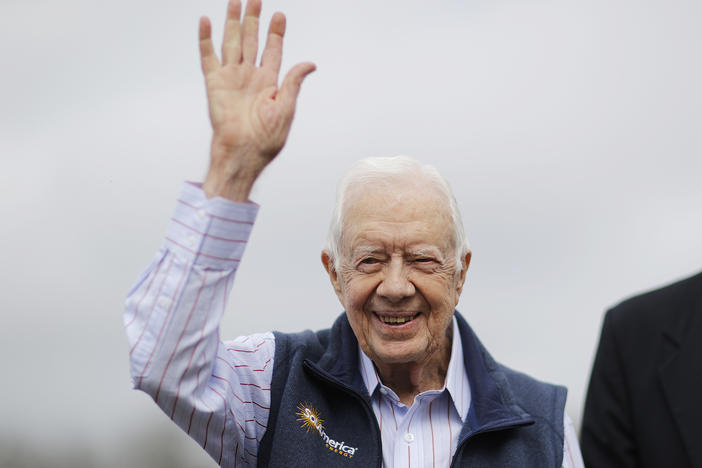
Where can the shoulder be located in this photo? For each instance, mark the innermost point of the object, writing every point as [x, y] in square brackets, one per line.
[653, 310]
[500, 393]
[530, 387]
[542, 400]
[513, 385]
[307, 344]
[334, 349]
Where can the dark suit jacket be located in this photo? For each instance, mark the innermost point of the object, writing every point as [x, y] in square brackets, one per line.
[644, 403]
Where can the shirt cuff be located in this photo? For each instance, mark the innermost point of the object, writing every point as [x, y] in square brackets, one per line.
[209, 232]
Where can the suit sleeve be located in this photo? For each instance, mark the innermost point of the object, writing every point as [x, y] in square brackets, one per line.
[607, 438]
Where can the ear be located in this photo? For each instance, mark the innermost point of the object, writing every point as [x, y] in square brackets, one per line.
[333, 275]
[462, 275]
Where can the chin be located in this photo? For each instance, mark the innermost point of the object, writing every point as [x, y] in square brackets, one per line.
[400, 355]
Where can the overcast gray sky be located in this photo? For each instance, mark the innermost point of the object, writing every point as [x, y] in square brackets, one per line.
[569, 130]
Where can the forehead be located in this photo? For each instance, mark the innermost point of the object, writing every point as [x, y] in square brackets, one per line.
[407, 213]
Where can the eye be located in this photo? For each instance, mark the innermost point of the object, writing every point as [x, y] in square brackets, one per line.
[423, 260]
[369, 264]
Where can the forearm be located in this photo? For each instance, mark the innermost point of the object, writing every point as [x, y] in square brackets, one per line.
[172, 323]
[177, 306]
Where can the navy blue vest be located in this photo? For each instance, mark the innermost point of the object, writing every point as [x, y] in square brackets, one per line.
[321, 414]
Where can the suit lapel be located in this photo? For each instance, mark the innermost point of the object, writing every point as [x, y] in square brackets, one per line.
[681, 372]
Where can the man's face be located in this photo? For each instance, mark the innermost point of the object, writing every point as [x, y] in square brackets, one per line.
[397, 276]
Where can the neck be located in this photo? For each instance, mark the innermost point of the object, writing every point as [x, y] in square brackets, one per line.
[410, 379]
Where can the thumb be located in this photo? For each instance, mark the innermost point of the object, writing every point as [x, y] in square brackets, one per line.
[291, 83]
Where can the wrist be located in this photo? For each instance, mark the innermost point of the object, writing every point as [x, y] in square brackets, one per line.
[232, 172]
[234, 190]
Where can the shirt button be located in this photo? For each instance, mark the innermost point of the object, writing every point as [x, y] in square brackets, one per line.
[409, 437]
[164, 302]
[201, 213]
[191, 241]
[383, 391]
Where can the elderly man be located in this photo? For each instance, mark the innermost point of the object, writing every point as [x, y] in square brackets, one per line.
[399, 380]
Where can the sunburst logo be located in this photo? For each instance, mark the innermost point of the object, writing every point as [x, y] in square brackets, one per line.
[311, 420]
[309, 417]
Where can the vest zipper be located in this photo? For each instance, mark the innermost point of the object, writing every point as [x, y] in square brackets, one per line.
[357, 396]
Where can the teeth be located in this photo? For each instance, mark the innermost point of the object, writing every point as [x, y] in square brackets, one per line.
[395, 320]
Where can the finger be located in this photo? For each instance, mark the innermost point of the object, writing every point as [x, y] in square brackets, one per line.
[287, 95]
[208, 58]
[273, 53]
[249, 31]
[231, 43]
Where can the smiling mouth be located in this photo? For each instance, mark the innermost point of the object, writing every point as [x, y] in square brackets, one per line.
[394, 320]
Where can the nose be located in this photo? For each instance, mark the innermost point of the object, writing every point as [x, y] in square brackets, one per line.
[395, 285]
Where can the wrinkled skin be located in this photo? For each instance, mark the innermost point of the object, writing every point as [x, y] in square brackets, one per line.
[398, 262]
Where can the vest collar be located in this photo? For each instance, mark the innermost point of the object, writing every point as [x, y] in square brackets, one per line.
[493, 406]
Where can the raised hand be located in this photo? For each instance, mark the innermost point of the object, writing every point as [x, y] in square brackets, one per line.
[250, 114]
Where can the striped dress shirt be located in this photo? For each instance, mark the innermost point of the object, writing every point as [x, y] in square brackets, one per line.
[219, 391]
[426, 433]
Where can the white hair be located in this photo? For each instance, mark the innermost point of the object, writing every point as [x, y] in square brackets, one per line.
[383, 170]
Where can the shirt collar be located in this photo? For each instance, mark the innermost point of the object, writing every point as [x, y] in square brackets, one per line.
[456, 376]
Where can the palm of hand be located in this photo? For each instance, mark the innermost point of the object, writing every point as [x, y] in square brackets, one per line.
[250, 114]
[243, 109]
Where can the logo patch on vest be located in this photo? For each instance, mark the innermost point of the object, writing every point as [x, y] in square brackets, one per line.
[311, 420]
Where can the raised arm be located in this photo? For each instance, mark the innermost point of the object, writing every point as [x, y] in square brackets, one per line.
[249, 112]
[218, 392]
